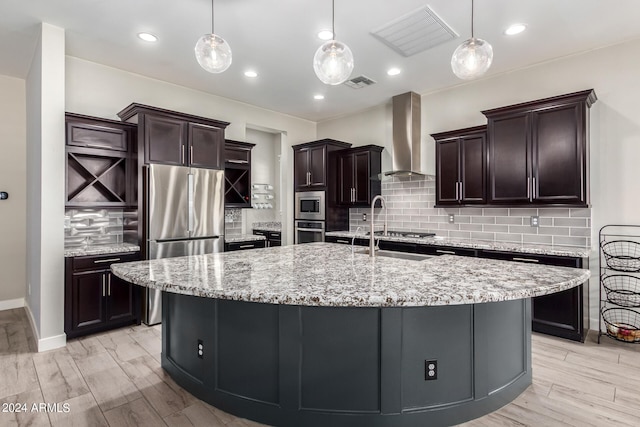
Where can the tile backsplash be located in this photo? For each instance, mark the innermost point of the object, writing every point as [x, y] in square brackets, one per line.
[411, 200]
[232, 222]
[90, 227]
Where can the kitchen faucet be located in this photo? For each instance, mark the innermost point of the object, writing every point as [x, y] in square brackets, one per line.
[372, 245]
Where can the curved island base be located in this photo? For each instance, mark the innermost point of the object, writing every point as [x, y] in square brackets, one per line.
[290, 365]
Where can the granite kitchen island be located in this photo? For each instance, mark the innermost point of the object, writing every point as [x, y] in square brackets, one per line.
[315, 335]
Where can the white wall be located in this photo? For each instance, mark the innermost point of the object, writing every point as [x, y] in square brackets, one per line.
[615, 137]
[101, 91]
[13, 164]
[45, 184]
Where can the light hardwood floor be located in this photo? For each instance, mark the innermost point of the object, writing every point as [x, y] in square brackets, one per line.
[115, 379]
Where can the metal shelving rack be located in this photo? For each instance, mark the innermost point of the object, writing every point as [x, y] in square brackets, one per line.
[619, 257]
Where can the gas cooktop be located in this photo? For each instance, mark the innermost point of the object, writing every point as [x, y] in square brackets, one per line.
[414, 234]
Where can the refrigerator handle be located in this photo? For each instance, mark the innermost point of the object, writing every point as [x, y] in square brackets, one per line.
[190, 202]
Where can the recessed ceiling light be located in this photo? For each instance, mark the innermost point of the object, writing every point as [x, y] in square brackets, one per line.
[325, 35]
[251, 74]
[318, 97]
[515, 29]
[393, 71]
[148, 37]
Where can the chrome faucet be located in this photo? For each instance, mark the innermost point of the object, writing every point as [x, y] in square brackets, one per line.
[372, 245]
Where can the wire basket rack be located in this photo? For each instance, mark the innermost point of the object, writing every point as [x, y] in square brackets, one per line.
[622, 255]
[623, 324]
[622, 289]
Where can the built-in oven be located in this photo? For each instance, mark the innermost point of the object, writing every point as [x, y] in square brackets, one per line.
[309, 231]
[310, 205]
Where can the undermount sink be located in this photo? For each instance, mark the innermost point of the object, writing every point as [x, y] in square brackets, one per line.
[395, 254]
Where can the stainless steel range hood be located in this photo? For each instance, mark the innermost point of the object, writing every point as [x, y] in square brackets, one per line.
[405, 153]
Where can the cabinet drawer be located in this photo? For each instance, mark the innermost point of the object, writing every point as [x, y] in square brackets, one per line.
[238, 246]
[99, 262]
[95, 136]
[446, 250]
[539, 259]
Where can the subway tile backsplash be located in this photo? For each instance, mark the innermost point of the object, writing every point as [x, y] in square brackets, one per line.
[232, 222]
[90, 227]
[411, 200]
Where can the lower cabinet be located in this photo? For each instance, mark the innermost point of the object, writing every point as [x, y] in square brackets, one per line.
[274, 238]
[95, 299]
[239, 246]
[563, 314]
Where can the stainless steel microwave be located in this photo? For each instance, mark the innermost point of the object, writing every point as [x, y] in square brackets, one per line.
[310, 205]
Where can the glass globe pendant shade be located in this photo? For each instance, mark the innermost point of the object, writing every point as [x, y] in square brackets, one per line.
[333, 62]
[213, 53]
[472, 59]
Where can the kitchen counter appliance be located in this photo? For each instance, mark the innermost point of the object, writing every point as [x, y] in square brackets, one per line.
[185, 216]
[310, 205]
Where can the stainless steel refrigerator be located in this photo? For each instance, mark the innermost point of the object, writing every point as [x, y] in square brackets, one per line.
[185, 216]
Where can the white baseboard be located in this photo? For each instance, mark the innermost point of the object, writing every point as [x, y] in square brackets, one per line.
[48, 343]
[11, 304]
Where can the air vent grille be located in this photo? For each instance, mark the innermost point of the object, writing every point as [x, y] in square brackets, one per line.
[415, 32]
[359, 82]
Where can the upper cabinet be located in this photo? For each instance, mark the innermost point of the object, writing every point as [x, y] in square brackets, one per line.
[461, 159]
[173, 138]
[539, 151]
[100, 162]
[237, 174]
[311, 163]
[358, 175]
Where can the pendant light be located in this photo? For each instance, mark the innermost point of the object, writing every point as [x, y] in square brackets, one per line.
[333, 61]
[212, 51]
[473, 57]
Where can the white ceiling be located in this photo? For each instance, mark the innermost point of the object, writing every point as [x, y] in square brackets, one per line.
[277, 38]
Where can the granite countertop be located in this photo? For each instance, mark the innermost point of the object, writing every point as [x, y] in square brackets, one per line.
[243, 238]
[101, 249]
[268, 228]
[329, 274]
[568, 251]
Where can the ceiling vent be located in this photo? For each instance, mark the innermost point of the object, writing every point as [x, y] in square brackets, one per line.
[359, 82]
[415, 32]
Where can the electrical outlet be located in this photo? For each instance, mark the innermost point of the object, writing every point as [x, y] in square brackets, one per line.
[535, 221]
[452, 218]
[364, 217]
[200, 349]
[430, 370]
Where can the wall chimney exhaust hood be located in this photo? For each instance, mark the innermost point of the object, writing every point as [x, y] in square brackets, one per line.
[406, 126]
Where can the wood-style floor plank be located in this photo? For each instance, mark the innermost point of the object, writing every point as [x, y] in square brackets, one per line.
[115, 379]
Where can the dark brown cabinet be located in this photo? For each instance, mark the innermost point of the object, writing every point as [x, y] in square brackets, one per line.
[237, 174]
[95, 299]
[358, 175]
[539, 151]
[240, 246]
[311, 163]
[563, 314]
[274, 238]
[173, 138]
[461, 159]
[100, 164]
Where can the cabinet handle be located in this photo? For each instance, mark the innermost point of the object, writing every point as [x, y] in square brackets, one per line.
[100, 261]
[109, 285]
[103, 286]
[191, 154]
[525, 259]
[440, 251]
[457, 196]
[533, 189]
[246, 246]
[528, 188]
[342, 241]
[182, 154]
[240, 162]
[461, 192]
[308, 178]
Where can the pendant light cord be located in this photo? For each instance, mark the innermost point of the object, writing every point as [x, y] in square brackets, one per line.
[471, 18]
[333, 18]
[212, 21]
